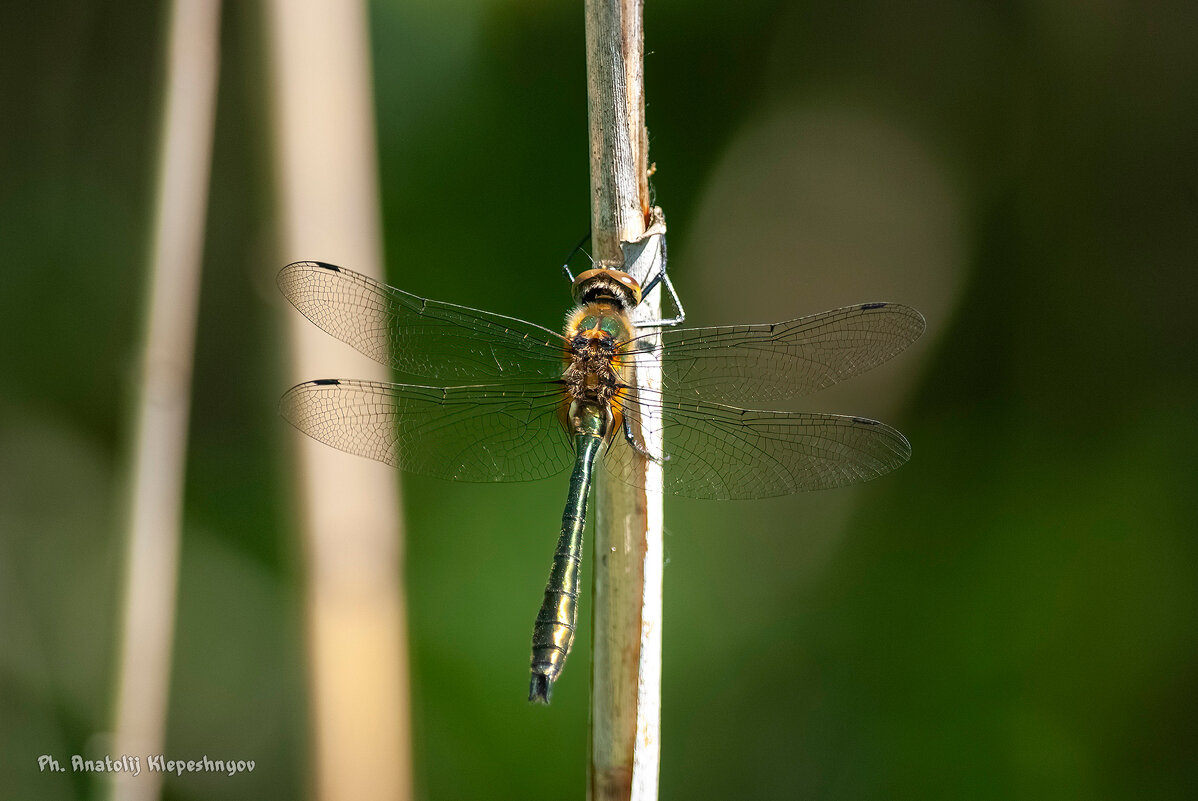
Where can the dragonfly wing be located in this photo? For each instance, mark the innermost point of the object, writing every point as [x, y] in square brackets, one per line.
[419, 337]
[764, 363]
[503, 432]
[724, 453]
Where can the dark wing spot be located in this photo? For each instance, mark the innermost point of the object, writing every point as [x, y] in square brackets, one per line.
[865, 421]
[326, 382]
[865, 306]
[324, 266]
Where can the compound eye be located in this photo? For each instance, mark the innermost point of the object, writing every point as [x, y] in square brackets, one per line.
[587, 323]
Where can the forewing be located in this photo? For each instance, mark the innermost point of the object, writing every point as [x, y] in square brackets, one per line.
[475, 433]
[749, 364]
[422, 338]
[724, 453]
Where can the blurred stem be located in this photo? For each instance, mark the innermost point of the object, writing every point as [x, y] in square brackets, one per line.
[348, 507]
[626, 672]
[161, 435]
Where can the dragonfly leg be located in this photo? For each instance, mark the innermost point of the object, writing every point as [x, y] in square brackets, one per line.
[566, 264]
[663, 278]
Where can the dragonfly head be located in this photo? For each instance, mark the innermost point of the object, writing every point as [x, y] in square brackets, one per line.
[606, 284]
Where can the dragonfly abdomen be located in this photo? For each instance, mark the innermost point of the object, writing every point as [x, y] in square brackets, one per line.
[553, 632]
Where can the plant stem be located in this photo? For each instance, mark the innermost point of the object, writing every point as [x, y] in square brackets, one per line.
[626, 672]
[160, 449]
[348, 507]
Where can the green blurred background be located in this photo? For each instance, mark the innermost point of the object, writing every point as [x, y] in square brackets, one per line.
[1012, 615]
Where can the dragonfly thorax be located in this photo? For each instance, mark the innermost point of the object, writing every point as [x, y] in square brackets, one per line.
[599, 319]
[594, 332]
[592, 373]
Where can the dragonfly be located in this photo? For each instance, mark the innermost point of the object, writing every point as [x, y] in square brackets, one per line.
[510, 400]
